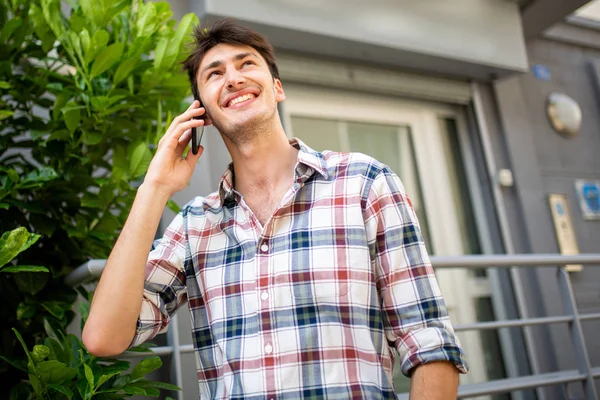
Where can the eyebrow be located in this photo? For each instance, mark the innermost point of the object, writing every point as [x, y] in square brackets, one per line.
[218, 63]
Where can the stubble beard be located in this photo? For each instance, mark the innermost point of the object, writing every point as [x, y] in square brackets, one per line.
[247, 131]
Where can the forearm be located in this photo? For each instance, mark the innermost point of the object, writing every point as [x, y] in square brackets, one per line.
[434, 381]
[118, 297]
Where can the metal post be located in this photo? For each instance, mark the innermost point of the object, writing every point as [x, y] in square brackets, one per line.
[505, 232]
[173, 341]
[583, 360]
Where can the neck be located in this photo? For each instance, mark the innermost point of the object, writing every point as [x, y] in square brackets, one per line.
[264, 163]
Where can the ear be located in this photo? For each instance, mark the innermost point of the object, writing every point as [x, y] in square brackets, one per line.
[278, 89]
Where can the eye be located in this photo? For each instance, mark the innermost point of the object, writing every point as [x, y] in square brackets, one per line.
[247, 62]
[213, 73]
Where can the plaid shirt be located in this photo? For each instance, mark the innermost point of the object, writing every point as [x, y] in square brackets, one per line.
[309, 305]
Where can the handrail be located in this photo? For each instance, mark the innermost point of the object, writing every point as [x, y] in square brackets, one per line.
[93, 269]
[585, 373]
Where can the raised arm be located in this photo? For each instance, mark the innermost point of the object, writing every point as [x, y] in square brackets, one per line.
[117, 300]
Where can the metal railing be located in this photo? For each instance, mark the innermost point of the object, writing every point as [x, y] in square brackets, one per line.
[584, 373]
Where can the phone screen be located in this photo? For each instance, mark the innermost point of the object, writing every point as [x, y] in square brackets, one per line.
[197, 133]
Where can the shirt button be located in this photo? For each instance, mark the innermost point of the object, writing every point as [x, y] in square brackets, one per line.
[264, 295]
[264, 247]
[268, 349]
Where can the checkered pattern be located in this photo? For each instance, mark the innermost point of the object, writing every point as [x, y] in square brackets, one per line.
[309, 305]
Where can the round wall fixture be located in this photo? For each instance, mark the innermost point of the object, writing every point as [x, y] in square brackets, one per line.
[564, 114]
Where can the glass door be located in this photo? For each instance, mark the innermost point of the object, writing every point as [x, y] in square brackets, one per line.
[415, 139]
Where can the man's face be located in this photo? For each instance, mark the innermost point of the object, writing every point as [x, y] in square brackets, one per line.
[238, 90]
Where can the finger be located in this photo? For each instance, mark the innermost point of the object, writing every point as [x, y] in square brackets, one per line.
[192, 159]
[183, 142]
[194, 110]
[173, 137]
[185, 138]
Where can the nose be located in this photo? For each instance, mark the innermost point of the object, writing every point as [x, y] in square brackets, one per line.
[234, 79]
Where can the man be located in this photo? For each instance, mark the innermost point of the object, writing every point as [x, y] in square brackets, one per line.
[300, 272]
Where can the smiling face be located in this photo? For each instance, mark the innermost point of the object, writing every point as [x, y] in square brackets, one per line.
[238, 91]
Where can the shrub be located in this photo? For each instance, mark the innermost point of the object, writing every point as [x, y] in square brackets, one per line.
[86, 90]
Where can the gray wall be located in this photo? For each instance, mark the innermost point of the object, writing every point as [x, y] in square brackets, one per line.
[544, 162]
[469, 38]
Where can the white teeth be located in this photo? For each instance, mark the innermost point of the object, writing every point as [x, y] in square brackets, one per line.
[241, 98]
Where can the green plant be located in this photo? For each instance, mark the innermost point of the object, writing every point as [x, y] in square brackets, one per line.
[61, 368]
[86, 90]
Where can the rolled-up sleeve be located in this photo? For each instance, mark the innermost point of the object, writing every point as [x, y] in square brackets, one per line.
[415, 315]
[164, 287]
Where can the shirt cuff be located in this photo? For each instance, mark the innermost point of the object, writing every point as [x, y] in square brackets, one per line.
[431, 344]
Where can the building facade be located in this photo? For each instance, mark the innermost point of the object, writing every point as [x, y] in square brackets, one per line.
[453, 96]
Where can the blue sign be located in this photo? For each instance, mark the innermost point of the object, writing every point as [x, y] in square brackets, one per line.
[588, 193]
[541, 72]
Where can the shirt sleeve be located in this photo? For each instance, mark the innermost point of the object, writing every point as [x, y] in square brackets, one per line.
[415, 316]
[164, 286]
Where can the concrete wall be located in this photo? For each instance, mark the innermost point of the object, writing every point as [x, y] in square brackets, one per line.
[469, 38]
[544, 162]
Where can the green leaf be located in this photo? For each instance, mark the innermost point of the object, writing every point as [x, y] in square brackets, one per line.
[61, 389]
[14, 242]
[133, 390]
[146, 366]
[99, 42]
[106, 59]
[118, 366]
[41, 28]
[53, 371]
[30, 282]
[140, 157]
[4, 206]
[175, 44]
[173, 206]
[93, 138]
[42, 175]
[146, 19]
[51, 332]
[86, 41]
[124, 69]
[43, 224]
[25, 310]
[4, 85]
[158, 385]
[38, 387]
[24, 268]
[72, 118]
[9, 28]
[89, 375]
[4, 114]
[55, 86]
[91, 200]
[59, 103]
[14, 364]
[84, 310]
[12, 174]
[56, 308]
[159, 52]
[104, 378]
[20, 339]
[93, 11]
[40, 352]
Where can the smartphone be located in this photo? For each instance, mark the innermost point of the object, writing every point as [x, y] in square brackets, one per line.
[197, 132]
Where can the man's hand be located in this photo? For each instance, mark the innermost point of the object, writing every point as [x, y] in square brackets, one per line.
[168, 171]
[434, 381]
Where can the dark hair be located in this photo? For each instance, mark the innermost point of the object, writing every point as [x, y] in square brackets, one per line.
[227, 31]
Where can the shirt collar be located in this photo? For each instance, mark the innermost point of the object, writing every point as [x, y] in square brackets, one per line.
[309, 161]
